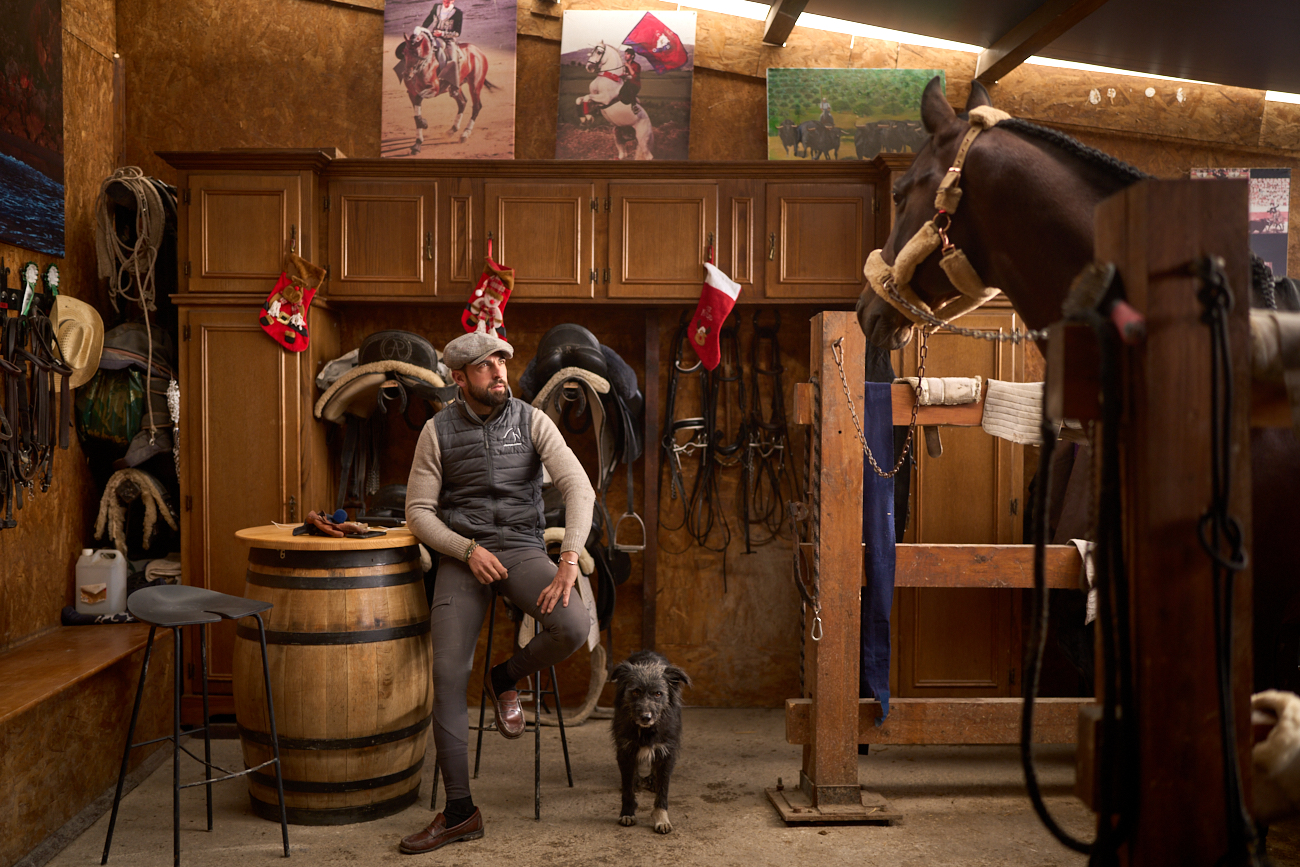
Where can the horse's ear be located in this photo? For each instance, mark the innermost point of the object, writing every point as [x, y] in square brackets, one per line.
[935, 110]
[978, 96]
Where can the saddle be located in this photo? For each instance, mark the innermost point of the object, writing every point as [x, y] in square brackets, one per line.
[391, 368]
[573, 376]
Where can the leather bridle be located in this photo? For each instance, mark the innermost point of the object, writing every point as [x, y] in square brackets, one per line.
[893, 282]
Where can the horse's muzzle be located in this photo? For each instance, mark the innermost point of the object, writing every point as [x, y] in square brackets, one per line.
[881, 323]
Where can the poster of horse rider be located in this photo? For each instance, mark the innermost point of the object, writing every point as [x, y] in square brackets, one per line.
[625, 85]
[1270, 210]
[449, 79]
[31, 127]
[844, 114]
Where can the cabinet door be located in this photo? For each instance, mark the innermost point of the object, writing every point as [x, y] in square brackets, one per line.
[240, 227]
[659, 235]
[543, 231]
[240, 417]
[383, 239]
[964, 642]
[818, 238]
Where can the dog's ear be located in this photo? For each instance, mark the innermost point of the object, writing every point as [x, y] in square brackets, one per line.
[677, 677]
[622, 670]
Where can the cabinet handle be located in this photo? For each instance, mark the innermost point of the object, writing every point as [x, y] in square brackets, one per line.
[605, 274]
[293, 509]
[293, 237]
[771, 247]
[428, 246]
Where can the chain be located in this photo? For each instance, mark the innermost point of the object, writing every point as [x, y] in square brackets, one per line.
[837, 351]
[978, 333]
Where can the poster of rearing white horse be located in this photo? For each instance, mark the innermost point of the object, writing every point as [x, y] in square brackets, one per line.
[625, 85]
[449, 79]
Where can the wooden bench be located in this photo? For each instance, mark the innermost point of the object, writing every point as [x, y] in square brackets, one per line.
[65, 704]
[41, 668]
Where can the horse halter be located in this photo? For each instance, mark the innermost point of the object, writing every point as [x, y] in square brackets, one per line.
[892, 282]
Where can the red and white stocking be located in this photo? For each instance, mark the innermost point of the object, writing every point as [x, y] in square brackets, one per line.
[716, 300]
[487, 303]
[284, 313]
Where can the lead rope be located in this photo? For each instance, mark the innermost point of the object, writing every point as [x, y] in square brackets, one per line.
[1221, 537]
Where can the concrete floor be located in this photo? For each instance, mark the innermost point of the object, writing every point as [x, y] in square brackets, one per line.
[959, 806]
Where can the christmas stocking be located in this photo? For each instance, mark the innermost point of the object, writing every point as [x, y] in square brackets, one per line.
[284, 313]
[487, 304]
[716, 300]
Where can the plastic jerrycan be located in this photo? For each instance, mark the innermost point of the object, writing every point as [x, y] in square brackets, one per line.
[101, 581]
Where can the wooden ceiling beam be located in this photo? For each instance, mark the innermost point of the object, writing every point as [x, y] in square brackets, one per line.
[780, 20]
[1030, 36]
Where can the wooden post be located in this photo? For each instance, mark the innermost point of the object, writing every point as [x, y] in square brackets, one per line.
[1153, 231]
[828, 779]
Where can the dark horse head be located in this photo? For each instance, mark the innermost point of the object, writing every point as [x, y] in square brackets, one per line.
[1024, 221]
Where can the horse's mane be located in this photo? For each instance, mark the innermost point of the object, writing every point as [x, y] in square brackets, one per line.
[1261, 276]
[1118, 168]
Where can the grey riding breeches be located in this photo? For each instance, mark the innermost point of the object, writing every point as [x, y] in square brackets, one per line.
[456, 618]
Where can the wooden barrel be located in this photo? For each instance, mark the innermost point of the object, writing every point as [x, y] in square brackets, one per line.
[350, 661]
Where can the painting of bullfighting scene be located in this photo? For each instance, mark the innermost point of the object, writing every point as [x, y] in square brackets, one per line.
[844, 114]
[449, 79]
[1270, 206]
[31, 126]
[625, 85]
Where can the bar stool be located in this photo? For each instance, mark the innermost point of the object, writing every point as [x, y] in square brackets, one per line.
[174, 606]
[536, 693]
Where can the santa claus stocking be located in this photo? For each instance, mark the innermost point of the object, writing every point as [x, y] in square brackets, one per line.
[716, 300]
[284, 313]
[487, 303]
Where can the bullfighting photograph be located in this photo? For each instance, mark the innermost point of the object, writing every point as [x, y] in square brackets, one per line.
[844, 114]
[625, 85]
[449, 79]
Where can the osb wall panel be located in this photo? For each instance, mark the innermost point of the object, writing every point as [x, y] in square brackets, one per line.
[1126, 103]
[210, 74]
[63, 754]
[39, 555]
[1281, 127]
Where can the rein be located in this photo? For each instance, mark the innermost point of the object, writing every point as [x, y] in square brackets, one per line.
[766, 464]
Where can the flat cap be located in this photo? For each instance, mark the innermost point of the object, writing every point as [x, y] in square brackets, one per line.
[472, 348]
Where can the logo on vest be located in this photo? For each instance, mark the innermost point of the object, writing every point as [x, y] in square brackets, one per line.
[511, 438]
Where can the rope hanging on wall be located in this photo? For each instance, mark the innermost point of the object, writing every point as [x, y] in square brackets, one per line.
[129, 267]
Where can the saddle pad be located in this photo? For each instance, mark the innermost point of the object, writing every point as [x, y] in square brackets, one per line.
[1013, 411]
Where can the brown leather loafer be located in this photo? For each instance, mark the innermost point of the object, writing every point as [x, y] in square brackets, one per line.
[438, 834]
[510, 715]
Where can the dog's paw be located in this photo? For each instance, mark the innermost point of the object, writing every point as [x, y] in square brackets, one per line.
[661, 823]
[627, 820]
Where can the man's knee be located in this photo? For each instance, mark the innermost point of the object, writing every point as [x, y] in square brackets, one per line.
[570, 632]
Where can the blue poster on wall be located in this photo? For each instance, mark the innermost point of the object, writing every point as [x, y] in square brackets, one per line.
[31, 126]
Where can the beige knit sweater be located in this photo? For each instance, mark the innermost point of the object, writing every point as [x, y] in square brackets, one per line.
[425, 484]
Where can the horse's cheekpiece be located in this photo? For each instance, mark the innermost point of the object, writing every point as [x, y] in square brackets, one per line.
[892, 282]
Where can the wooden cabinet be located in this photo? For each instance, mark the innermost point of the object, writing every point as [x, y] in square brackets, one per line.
[251, 451]
[239, 228]
[383, 238]
[545, 231]
[818, 237]
[964, 642]
[659, 236]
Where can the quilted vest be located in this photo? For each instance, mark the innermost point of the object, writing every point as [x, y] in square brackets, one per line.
[491, 476]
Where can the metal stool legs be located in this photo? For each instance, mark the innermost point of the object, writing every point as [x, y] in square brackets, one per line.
[175, 738]
[537, 695]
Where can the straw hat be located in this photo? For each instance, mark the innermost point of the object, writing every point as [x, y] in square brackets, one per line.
[79, 330]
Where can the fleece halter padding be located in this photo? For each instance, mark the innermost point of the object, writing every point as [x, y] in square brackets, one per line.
[893, 283]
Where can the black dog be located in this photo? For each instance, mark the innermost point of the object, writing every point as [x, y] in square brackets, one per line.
[647, 730]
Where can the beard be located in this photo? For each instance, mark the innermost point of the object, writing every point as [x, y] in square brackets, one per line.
[486, 396]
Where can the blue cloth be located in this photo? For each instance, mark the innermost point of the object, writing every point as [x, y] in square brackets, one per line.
[878, 551]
